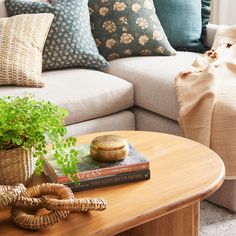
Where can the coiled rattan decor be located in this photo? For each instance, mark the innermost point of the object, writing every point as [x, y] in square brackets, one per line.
[26, 201]
[22, 218]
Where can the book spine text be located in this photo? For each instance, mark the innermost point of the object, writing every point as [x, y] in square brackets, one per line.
[111, 180]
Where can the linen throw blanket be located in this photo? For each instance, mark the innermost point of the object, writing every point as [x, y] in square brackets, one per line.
[207, 97]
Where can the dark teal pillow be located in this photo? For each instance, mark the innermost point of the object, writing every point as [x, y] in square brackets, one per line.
[124, 28]
[184, 22]
[70, 42]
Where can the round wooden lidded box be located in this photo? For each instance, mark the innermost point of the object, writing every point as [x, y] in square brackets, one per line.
[109, 148]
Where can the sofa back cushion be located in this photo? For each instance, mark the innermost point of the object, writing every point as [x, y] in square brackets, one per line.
[184, 22]
[3, 10]
[206, 12]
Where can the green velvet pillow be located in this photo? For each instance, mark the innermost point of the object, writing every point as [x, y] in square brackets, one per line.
[70, 42]
[124, 28]
[184, 22]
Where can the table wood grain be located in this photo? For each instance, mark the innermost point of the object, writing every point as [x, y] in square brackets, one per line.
[183, 173]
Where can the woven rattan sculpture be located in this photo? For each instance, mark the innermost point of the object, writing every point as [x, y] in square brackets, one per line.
[28, 200]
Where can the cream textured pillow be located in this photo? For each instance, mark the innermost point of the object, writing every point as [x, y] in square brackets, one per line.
[22, 39]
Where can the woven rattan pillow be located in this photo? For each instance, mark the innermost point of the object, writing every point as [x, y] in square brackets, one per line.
[22, 39]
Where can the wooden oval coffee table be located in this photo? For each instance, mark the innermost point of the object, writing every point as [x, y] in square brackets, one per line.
[183, 173]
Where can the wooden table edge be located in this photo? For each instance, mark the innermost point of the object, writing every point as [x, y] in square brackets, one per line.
[169, 208]
[159, 212]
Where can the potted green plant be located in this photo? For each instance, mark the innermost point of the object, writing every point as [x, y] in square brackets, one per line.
[27, 126]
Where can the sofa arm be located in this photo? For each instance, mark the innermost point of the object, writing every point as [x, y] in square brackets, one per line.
[210, 34]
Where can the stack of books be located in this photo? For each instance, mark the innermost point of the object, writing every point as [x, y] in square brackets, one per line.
[94, 174]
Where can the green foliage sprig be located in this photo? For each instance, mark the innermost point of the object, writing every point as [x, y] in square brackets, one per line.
[29, 123]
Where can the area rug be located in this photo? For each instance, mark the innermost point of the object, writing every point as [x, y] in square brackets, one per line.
[216, 221]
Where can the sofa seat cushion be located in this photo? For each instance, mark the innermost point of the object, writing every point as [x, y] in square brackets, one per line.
[153, 80]
[86, 94]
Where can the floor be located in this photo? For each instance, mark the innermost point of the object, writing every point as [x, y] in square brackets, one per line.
[216, 221]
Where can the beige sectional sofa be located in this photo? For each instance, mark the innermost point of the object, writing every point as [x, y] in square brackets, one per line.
[133, 93]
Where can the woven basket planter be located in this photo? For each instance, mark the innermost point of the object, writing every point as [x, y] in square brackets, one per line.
[16, 166]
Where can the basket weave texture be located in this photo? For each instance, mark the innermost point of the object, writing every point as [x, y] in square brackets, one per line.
[16, 166]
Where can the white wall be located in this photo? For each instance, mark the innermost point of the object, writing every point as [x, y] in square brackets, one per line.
[224, 12]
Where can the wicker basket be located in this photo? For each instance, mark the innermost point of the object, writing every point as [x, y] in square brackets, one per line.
[16, 166]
